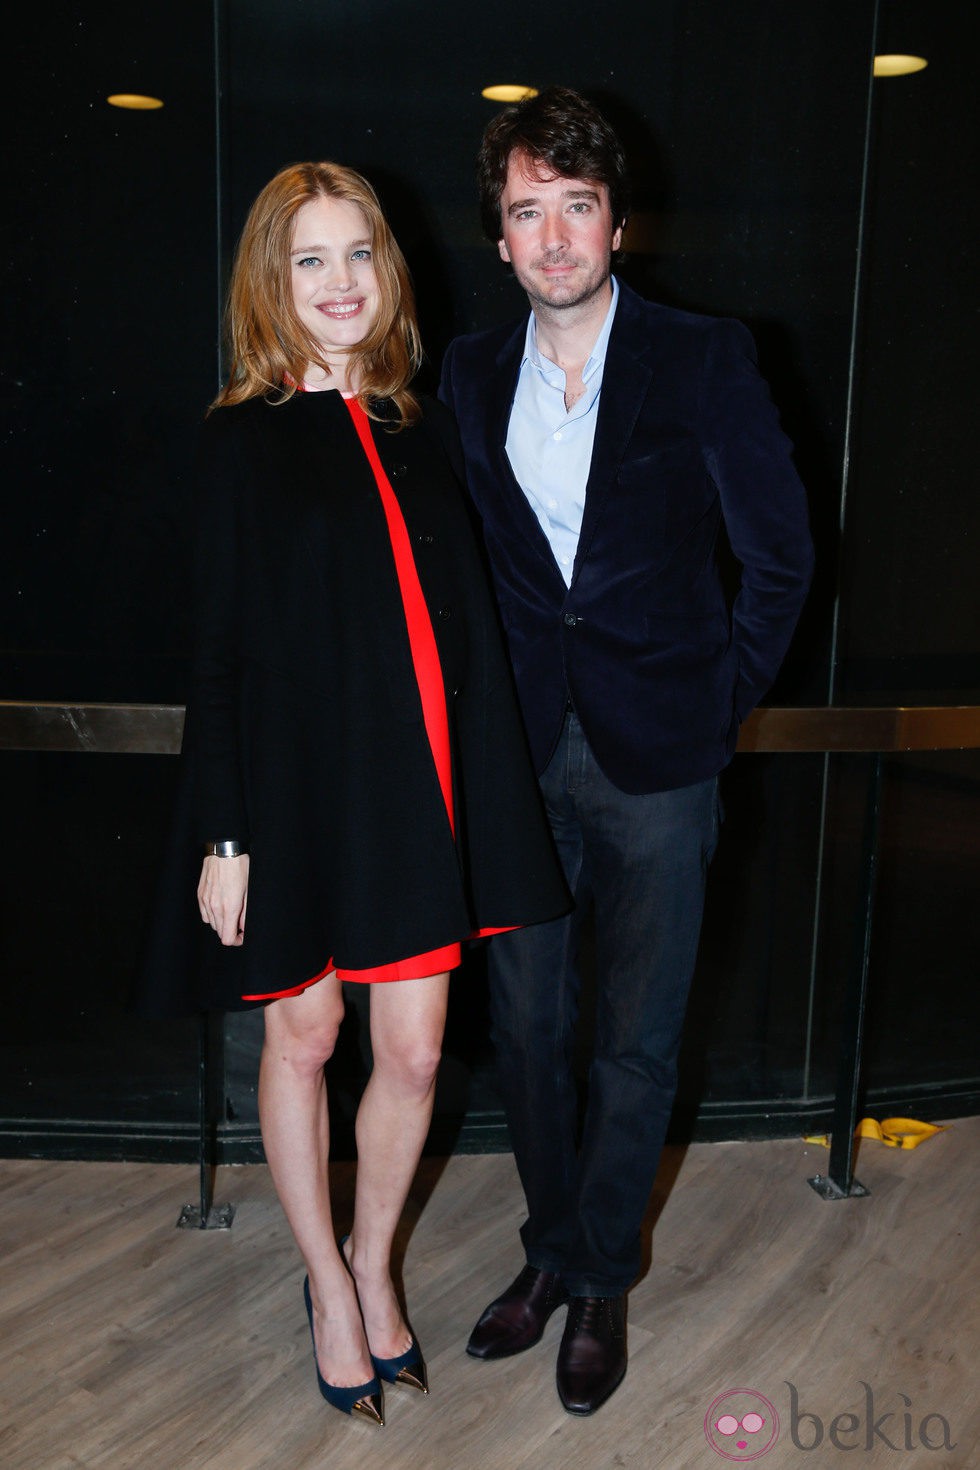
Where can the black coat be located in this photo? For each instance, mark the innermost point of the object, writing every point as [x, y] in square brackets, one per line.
[304, 735]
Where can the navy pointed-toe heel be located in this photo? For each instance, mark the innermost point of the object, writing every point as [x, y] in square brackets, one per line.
[409, 1368]
[364, 1398]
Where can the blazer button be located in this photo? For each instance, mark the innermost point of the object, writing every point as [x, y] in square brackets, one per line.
[424, 539]
[570, 620]
[398, 470]
[445, 612]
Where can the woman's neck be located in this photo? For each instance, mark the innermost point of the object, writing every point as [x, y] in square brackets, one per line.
[316, 380]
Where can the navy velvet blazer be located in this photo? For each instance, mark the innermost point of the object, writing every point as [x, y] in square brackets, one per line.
[661, 671]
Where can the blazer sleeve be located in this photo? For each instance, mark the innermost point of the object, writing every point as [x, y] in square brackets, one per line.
[211, 738]
[763, 503]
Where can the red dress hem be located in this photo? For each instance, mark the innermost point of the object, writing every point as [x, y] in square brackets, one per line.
[416, 967]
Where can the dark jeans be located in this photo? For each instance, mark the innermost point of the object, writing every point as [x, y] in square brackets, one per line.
[642, 862]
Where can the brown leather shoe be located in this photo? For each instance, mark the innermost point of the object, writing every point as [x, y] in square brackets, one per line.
[517, 1319]
[592, 1356]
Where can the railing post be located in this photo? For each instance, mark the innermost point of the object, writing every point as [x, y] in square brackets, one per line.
[839, 1181]
[210, 1055]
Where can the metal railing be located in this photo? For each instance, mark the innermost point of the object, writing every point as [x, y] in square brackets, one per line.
[155, 729]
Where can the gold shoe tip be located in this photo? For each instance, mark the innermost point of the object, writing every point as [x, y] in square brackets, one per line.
[413, 1380]
[370, 1408]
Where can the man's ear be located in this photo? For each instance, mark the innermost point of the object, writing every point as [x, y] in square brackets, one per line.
[617, 239]
[504, 256]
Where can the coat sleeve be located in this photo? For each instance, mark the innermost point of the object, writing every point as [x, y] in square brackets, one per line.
[764, 507]
[211, 738]
[439, 417]
[446, 378]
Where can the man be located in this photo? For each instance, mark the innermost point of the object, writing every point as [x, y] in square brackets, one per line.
[606, 439]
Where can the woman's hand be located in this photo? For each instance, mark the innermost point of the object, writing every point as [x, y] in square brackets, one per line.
[222, 896]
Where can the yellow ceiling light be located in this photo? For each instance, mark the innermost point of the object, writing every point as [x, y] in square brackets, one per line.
[134, 101]
[508, 92]
[898, 66]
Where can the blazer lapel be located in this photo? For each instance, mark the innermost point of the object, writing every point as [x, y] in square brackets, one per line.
[499, 398]
[625, 383]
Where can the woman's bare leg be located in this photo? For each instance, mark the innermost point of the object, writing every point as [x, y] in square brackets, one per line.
[408, 1018]
[300, 1034]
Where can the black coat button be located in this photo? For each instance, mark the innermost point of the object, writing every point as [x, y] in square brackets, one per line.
[570, 620]
[445, 612]
[398, 470]
[424, 538]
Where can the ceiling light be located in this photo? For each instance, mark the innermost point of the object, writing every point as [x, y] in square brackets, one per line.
[898, 66]
[508, 92]
[134, 101]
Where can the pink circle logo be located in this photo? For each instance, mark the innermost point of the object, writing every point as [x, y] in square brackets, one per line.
[741, 1425]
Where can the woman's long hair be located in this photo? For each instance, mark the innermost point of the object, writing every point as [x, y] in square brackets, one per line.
[270, 349]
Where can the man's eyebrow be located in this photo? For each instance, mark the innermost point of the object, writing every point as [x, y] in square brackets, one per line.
[519, 204]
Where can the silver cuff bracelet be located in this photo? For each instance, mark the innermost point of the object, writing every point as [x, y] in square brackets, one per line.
[224, 849]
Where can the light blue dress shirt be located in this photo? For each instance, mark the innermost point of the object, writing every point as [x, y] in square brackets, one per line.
[550, 447]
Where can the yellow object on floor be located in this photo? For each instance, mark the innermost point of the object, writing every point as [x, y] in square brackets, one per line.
[893, 1132]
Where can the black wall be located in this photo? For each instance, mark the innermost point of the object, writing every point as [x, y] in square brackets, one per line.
[774, 182]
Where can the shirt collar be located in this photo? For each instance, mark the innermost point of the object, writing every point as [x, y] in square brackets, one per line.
[596, 359]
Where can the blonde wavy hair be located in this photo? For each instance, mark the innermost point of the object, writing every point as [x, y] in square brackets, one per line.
[270, 349]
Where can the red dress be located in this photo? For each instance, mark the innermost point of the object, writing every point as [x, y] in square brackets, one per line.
[428, 674]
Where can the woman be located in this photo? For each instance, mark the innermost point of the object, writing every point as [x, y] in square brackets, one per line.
[354, 763]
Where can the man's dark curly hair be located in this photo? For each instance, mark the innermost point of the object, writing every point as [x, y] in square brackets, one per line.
[562, 134]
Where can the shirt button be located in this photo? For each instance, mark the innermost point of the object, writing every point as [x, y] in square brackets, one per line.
[552, 505]
[569, 620]
[558, 434]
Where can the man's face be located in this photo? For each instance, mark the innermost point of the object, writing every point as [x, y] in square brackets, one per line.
[557, 234]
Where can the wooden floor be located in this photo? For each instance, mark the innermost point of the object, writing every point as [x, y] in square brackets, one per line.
[127, 1343]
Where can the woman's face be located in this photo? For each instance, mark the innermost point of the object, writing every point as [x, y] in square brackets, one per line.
[335, 289]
